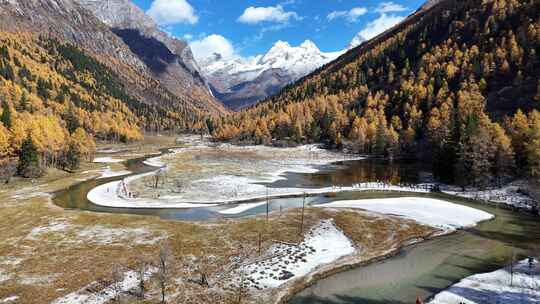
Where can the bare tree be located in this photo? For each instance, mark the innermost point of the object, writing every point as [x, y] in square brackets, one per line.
[512, 260]
[260, 242]
[302, 216]
[203, 269]
[267, 205]
[141, 269]
[164, 261]
[158, 179]
[241, 291]
[117, 279]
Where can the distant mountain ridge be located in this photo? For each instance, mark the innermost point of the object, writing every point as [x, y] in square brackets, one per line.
[240, 82]
[70, 21]
[169, 59]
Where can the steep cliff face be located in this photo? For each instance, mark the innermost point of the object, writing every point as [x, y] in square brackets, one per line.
[176, 85]
[65, 19]
[170, 60]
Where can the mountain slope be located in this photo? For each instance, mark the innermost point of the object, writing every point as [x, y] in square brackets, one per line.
[242, 82]
[437, 86]
[68, 21]
[170, 60]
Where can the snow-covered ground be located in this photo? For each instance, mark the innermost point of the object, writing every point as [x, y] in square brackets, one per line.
[111, 195]
[107, 172]
[496, 287]
[323, 244]
[241, 208]
[202, 174]
[10, 299]
[108, 195]
[155, 162]
[107, 160]
[433, 212]
[96, 234]
[510, 194]
[83, 296]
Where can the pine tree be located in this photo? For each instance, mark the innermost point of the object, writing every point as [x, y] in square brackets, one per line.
[71, 119]
[29, 166]
[72, 158]
[533, 145]
[6, 115]
[380, 139]
[23, 104]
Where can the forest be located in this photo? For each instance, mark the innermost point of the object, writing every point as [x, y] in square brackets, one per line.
[457, 85]
[56, 101]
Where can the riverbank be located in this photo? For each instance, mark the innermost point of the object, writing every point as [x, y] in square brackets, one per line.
[513, 196]
[420, 210]
[516, 284]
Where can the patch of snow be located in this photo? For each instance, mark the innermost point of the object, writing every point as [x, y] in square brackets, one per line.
[155, 162]
[9, 299]
[96, 234]
[233, 189]
[108, 150]
[83, 296]
[432, 212]
[108, 195]
[107, 160]
[29, 192]
[108, 172]
[496, 287]
[510, 194]
[36, 280]
[4, 276]
[11, 261]
[105, 236]
[323, 244]
[55, 226]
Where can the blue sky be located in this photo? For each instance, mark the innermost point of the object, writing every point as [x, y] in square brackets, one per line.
[250, 27]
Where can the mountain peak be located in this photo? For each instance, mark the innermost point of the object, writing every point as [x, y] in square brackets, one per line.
[240, 81]
[308, 44]
[280, 45]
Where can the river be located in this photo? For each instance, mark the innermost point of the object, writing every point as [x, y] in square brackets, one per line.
[420, 270]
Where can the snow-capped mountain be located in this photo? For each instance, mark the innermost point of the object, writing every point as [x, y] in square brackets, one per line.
[240, 82]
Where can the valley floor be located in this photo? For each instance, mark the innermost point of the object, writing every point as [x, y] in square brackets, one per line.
[68, 256]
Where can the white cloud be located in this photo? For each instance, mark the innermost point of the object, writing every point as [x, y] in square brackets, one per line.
[166, 12]
[254, 15]
[380, 25]
[207, 46]
[388, 7]
[188, 36]
[351, 15]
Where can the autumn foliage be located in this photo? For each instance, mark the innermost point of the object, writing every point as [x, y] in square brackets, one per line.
[63, 100]
[457, 85]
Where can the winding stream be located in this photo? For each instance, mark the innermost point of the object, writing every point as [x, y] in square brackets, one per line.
[420, 270]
